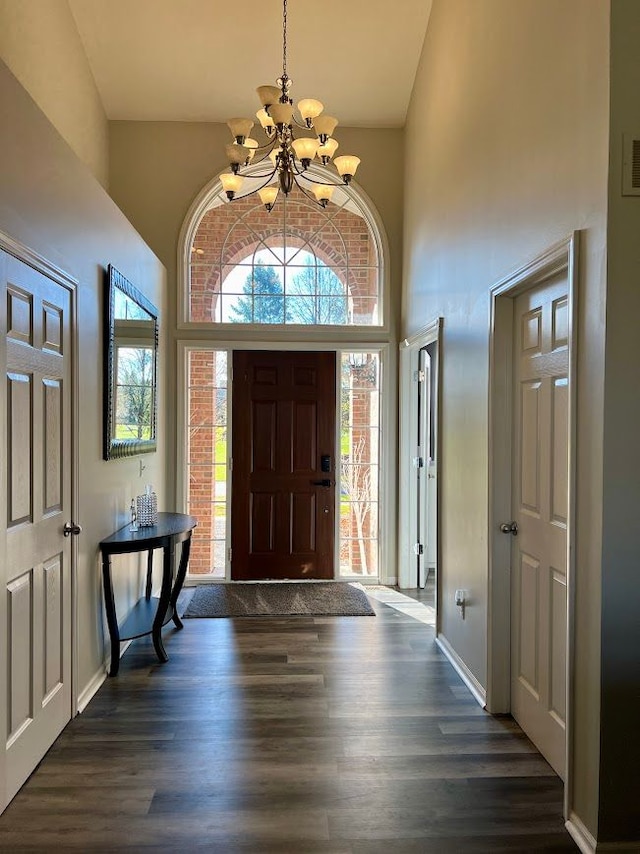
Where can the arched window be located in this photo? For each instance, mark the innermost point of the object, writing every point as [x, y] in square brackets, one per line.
[298, 264]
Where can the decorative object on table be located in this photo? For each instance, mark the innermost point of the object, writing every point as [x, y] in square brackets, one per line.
[147, 508]
[133, 517]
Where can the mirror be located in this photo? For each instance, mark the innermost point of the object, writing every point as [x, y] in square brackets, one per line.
[130, 370]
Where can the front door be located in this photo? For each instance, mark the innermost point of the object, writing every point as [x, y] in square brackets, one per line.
[36, 574]
[283, 477]
[540, 510]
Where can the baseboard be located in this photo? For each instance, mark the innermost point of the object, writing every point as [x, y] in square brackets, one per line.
[463, 671]
[124, 646]
[91, 689]
[98, 678]
[588, 845]
[580, 835]
[606, 847]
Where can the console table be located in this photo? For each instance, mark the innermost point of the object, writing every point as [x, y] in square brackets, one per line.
[150, 613]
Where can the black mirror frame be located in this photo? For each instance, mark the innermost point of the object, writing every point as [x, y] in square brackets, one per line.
[116, 449]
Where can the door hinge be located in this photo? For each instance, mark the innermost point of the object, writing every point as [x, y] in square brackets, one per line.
[229, 554]
[418, 549]
[230, 463]
[419, 376]
[418, 462]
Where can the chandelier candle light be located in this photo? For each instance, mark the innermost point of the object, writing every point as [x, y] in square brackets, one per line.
[287, 154]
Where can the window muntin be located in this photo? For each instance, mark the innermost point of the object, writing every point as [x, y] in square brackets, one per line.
[233, 240]
[284, 286]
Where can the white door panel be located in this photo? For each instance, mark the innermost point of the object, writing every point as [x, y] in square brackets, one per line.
[37, 569]
[540, 493]
[424, 443]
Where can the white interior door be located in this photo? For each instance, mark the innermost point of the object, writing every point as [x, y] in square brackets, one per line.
[411, 519]
[540, 510]
[424, 460]
[36, 688]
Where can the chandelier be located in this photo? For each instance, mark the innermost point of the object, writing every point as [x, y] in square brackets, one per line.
[286, 154]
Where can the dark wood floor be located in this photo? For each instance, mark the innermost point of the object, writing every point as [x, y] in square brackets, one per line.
[426, 594]
[289, 735]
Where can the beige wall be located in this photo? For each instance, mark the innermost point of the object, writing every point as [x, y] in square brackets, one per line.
[620, 751]
[40, 43]
[506, 154]
[50, 203]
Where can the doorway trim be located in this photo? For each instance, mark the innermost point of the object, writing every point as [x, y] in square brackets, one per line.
[388, 436]
[407, 488]
[560, 258]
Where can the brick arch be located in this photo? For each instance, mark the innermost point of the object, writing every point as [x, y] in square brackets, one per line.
[226, 234]
[327, 252]
[243, 252]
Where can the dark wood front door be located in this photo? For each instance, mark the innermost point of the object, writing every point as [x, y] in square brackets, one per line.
[282, 514]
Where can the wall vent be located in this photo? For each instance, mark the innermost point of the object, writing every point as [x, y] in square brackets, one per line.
[631, 164]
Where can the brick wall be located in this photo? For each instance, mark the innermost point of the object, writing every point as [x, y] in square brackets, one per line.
[230, 233]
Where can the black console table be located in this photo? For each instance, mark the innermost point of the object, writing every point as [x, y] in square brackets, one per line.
[150, 613]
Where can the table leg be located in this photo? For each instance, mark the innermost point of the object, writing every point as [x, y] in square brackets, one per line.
[112, 620]
[147, 590]
[163, 604]
[182, 572]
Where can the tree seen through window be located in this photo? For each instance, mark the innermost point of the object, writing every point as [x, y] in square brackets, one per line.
[308, 293]
[134, 392]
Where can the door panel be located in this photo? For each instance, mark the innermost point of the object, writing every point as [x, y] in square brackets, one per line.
[282, 522]
[37, 569]
[540, 490]
[427, 472]
[424, 464]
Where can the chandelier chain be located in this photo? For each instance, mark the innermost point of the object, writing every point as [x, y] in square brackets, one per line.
[284, 39]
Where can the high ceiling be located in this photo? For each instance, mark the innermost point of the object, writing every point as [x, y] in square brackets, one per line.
[201, 60]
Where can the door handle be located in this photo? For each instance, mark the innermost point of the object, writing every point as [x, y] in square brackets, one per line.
[509, 528]
[71, 528]
[326, 483]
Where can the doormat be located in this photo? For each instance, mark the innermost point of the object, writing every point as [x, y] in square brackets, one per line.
[280, 599]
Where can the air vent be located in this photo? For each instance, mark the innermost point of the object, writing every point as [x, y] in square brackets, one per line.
[631, 165]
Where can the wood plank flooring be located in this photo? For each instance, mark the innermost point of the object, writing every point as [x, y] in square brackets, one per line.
[348, 735]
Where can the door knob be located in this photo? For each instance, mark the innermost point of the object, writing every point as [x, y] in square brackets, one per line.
[509, 528]
[71, 528]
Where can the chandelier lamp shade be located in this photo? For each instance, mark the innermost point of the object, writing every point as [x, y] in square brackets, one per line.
[289, 149]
